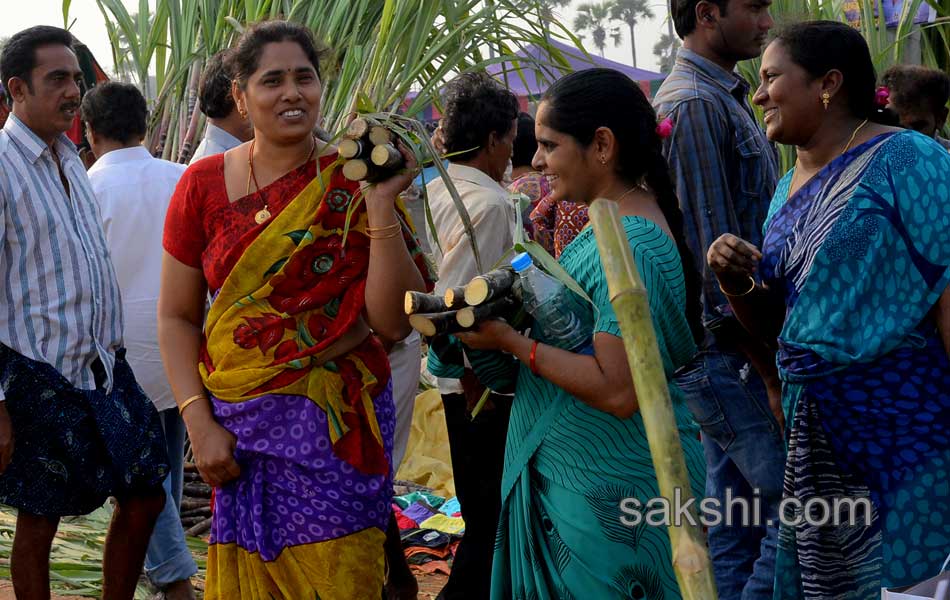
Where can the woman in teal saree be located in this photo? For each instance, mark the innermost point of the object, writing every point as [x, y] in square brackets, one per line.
[576, 445]
[857, 256]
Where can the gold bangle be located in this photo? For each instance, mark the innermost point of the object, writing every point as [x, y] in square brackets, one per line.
[386, 229]
[189, 402]
[745, 293]
[384, 237]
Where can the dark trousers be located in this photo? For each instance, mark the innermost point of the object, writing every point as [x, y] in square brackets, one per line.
[478, 454]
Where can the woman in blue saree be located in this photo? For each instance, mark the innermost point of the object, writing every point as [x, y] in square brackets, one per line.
[854, 272]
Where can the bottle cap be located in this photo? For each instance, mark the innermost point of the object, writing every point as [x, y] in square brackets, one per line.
[521, 262]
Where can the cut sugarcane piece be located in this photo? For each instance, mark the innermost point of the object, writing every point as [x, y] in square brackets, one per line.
[455, 297]
[470, 315]
[489, 286]
[357, 128]
[380, 135]
[632, 306]
[356, 169]
[386, 156]
[420, 302]
[352, 148]
[431, 325]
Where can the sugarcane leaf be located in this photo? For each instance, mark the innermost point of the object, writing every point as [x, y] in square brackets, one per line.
[480, 404]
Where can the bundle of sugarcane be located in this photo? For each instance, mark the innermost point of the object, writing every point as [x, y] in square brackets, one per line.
[489, 296]
[370, 150]
[629, 300]
[195, 503]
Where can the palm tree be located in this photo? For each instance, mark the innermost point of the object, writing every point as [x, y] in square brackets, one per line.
[665, 50]
[631, 12]
[595, 20]
[547, 8]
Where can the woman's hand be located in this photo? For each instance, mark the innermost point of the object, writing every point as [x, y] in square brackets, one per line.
[387, 190]
[213, 447]
[733, 260]
[490, 335]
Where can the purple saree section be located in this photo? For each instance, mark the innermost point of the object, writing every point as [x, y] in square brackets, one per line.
[293, 489]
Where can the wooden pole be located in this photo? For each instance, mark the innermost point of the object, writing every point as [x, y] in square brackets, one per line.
[629, 299]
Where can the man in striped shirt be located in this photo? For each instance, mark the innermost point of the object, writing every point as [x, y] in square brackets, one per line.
[75, 427]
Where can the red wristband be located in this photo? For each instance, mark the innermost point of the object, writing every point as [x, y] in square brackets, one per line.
[532, 357]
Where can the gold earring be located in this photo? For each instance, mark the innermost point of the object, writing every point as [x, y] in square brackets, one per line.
[243, 112]
[603, 159]
[826, 99]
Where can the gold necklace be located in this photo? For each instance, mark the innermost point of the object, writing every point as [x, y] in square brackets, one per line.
[854, 134]
[263, 214]
[624, 195]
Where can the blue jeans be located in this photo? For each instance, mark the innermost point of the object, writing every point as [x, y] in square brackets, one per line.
[168, 559]
[744, 452]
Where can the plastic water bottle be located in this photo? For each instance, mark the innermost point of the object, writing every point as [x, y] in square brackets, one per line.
[560, 317]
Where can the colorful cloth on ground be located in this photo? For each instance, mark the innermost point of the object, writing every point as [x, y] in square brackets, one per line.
[307, 514]
[557, 222]
[75, 447]
[535, 186]
[444, 523]
[862, 253]
[568, 466]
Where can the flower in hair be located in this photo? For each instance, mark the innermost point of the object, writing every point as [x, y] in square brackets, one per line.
[665, 128]
[881, 96]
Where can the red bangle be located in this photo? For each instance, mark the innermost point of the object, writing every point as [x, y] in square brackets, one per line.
[532, 357]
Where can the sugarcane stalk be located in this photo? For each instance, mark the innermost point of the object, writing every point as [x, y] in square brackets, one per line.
[455, 297]
[491, 285]
[434, 324]
[420, 302]
[356, 169]
[470, 315]
[386, 156]
[200, 529]
[352, 149]
[380, 136]
[357, 128]
[632, 307]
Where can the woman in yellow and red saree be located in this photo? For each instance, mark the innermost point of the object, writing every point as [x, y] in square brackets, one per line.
[295, 429]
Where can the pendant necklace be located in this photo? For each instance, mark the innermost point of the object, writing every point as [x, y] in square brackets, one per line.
[263, 214]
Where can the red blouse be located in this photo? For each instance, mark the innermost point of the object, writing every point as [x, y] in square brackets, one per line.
[205, 230]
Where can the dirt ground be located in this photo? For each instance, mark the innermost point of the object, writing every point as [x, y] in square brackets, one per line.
[429, 587]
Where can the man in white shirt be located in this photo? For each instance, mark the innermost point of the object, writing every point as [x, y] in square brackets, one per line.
[226, 127]
[480, 121]
[133, 190]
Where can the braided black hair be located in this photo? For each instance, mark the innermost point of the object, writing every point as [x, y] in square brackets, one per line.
[582, 102]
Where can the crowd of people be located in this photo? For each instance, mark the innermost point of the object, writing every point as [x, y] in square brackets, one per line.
[252, 301]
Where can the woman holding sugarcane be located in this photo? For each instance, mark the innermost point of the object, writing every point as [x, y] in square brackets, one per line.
[285, 392]
[576, 444]
[854, 273]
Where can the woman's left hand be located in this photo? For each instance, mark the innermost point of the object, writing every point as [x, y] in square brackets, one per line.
[388, 189]
[490, 335]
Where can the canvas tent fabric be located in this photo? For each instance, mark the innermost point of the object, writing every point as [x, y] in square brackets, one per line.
[538, 71]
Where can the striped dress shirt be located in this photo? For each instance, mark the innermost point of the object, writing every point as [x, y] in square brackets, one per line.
[60, 301]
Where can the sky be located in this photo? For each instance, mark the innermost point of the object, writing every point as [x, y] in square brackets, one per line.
[87, 26]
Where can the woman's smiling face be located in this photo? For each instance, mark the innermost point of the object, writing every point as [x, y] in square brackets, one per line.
[789, 97]
[562, 160]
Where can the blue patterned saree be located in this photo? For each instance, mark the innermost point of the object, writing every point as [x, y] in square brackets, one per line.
[862, 254]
